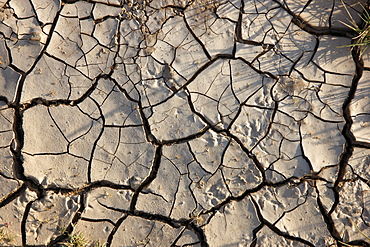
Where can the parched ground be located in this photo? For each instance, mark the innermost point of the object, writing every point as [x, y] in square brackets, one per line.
[183, 123]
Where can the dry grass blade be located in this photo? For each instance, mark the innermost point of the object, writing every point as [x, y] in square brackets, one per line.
[363, 38]
[358, 229]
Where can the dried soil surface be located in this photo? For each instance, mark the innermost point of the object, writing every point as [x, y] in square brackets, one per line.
[183, 123]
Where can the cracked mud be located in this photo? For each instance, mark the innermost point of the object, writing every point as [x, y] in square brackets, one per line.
[183, 123]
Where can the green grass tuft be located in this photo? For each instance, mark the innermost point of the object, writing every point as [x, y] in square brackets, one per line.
[362, 40]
